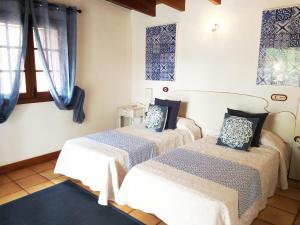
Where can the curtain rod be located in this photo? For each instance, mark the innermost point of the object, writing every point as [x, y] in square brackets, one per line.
[78, 10]
[53, 4]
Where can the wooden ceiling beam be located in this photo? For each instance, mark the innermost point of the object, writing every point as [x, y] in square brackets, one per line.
[144, 6]
[176, 4]
[216, 2]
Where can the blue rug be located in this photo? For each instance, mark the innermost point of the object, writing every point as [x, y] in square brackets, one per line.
[62, 204]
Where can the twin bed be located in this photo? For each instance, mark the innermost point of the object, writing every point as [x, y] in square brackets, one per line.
[203, 183]
[102, 160]
[198, 182]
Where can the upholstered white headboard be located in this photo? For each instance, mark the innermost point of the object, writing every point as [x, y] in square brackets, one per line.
[207, 109]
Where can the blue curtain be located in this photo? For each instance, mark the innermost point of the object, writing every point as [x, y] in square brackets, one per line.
[55, 32]
[13, 29]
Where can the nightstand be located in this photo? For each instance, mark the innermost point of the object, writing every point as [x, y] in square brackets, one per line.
[295, 162]
[128, 113]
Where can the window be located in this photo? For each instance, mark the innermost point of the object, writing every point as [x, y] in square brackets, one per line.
[34, 85]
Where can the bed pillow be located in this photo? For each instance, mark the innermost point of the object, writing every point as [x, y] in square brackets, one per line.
[237, 132]
[261, 116]
[173, 109]
[156, 117]
[190, 126]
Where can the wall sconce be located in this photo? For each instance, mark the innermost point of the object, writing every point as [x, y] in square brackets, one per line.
[215, 27]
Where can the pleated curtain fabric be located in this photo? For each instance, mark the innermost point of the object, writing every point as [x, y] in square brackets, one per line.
[13, 41]
[55, 32]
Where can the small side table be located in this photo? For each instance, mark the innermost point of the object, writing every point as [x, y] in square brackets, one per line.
[130, 113]
[295, 162]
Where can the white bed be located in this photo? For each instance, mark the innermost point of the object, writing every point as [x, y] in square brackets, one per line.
[178, 197]
[102, 167]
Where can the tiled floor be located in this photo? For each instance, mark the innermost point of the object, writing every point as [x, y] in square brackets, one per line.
[282, 209]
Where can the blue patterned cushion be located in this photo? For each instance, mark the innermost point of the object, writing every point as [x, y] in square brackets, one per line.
[156, 117]
[237, 132]
[261, 116]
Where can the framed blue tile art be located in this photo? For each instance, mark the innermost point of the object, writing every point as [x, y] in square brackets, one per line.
[279, 55]
[160, 52]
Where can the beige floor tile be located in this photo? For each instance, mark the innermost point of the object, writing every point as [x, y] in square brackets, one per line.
[49, 174]
[276, 216]
[11, 197]
[42, 167]
[260, 222]
[9, 188]
[19, 174]
[4, 179]
[39, 187]
[58, 180]
[292, 193]
[283, 203]
[146, 218]
[124, 208]
[31, 181]
[297, 221]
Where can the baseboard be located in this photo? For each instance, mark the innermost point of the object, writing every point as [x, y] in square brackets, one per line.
[28, 162]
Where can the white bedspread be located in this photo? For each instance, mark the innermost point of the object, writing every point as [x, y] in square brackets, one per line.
[101, 167]
[180, 198]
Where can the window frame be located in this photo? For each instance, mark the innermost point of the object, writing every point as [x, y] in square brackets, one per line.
[32, 95]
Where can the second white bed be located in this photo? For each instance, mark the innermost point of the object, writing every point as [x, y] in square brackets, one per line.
[178, 197]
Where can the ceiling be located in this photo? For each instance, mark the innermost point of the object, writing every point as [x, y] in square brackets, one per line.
[148, 7]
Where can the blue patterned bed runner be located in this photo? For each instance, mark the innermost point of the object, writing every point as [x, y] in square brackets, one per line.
[245, 180]
[139, 149]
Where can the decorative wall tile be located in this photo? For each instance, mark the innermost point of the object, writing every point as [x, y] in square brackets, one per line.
[279, 55]
[160, 52]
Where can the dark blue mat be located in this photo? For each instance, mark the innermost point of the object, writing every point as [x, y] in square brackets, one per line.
[62, 204]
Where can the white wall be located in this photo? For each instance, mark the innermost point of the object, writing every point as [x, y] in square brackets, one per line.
[103, 71]
[107, 43]
[223, 61]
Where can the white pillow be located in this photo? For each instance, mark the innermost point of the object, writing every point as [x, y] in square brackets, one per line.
[189, 126]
